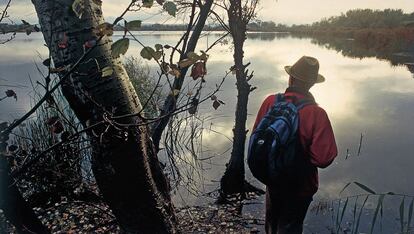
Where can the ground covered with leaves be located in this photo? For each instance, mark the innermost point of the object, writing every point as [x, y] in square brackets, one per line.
[81, 217]
[217, 219]
[73, 217]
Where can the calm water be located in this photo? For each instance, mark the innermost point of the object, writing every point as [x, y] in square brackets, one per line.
[367, 96]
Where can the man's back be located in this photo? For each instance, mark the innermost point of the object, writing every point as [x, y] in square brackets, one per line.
[315, 135]
[286, 205]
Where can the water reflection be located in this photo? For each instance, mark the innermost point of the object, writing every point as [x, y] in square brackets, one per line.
[362, 94]
[398, 53]
[266, 36]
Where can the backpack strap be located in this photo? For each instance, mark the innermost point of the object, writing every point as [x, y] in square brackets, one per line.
[299, 103]
[280, 97]
[304, 102]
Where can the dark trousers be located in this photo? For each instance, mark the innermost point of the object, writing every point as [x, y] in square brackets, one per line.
[284, 213]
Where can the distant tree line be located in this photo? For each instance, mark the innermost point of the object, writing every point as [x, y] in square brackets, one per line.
[366, 18]
[267, 26]
[356, 19]
[13, 28]
[351, 20]
[365, 33]
[376, 29]
[257, 26]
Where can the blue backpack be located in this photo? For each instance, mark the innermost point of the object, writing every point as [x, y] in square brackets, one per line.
[273, 145]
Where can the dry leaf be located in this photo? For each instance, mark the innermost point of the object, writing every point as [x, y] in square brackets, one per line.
[185, 63]
[216, 104]
[198, 70]
[107, 71]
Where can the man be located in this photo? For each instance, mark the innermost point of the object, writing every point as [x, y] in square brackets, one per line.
[286, 207]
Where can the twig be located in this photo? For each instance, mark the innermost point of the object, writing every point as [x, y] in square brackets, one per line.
[189, 27]
[179, 109]
[217, 41]
[360, 144]
[17, 172]
[4, 13]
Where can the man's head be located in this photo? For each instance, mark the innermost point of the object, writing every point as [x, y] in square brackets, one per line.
[299, 84]
[304, 73]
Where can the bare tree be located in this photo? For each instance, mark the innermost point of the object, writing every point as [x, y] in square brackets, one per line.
[124, 161]
[189, 45]
[239, 14]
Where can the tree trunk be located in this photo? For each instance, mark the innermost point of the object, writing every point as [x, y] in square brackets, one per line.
[233, 178]
[16, 210]
[170, 102]
[124, 162]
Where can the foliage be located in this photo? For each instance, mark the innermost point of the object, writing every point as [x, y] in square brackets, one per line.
[383, 28]
[356, 19]
[364, 33]
[149, 53]
[59, 172]
[135, 24]
[183, 141]
[171, 8]
[366, 18]
[144, 85]
[265, 26]
[120, 47]
[382, 44]
[9, 93]
[352, 206]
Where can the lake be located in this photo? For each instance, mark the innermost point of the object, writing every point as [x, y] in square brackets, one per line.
[367, 96]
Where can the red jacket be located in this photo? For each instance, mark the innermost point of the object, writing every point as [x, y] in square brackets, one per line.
[315, 134]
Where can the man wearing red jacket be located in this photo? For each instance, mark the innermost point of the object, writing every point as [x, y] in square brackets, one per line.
[286, 208]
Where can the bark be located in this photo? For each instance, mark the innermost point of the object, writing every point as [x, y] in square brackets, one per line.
[233, 180]
[124, 162]
[170, 102]
[16, 210]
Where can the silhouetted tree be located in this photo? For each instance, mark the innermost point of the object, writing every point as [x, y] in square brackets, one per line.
[239, 14]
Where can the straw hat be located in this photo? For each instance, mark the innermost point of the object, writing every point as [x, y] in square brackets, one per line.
[306, 69]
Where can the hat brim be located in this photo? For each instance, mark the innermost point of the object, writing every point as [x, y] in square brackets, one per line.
[319, 79]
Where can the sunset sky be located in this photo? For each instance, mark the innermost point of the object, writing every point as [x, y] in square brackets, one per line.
[280, 11]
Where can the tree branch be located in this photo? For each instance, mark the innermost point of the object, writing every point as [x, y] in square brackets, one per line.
[4, 13]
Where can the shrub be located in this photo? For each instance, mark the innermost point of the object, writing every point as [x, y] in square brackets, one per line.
[58, 173]
[147, 88]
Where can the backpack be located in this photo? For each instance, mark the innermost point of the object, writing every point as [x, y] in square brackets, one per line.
[273, 146]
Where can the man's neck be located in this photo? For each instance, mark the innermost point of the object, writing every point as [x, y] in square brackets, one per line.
[301, 91]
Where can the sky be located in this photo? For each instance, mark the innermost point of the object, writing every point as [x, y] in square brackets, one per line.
[279, 11]
[309, 11]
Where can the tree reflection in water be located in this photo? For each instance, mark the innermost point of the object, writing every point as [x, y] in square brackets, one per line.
[397, 52]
